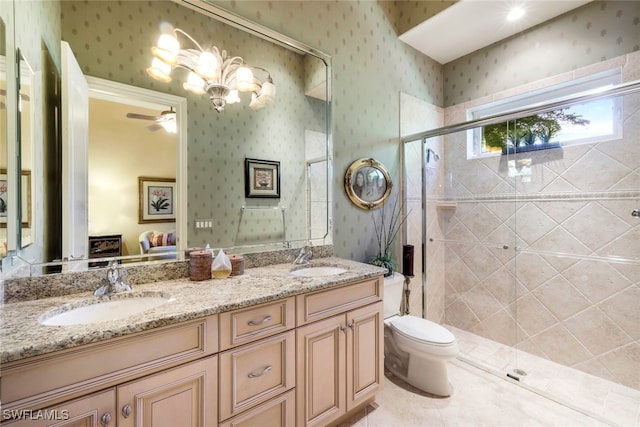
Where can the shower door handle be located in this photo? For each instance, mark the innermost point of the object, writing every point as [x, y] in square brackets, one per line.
[636, 213]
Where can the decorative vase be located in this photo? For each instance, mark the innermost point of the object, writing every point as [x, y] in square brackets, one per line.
[384, 261]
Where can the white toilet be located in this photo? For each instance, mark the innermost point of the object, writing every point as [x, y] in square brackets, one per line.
[415, 349]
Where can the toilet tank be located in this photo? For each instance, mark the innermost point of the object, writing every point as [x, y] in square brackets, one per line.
[393, 286]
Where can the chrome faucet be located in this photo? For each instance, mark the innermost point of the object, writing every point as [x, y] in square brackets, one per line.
[304, 256]
[114, 282]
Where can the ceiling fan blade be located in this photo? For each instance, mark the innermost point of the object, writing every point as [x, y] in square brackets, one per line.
[154, 128]
[141, 116]
[3, 92]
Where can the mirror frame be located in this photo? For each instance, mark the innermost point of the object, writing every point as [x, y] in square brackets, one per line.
[363, 166]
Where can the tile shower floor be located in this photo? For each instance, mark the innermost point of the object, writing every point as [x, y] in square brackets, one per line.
[482, 398]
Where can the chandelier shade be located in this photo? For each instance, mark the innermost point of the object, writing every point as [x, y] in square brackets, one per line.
[210, 71]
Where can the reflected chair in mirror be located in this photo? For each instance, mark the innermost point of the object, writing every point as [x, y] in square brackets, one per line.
[162, 244]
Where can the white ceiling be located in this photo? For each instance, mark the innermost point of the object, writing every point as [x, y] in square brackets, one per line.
[469, 25]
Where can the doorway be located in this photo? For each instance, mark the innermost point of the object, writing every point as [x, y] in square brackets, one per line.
[126, 145]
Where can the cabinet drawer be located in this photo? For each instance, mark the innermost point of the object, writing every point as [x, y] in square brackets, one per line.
[245, 325]
[323, 304]
[253, 373]
[277, 412]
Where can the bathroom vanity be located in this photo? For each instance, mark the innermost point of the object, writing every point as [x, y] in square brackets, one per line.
[304, 350]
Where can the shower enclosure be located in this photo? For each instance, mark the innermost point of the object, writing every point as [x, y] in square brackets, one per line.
[531, 252]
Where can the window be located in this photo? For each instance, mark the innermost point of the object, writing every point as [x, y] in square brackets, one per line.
[594, 121]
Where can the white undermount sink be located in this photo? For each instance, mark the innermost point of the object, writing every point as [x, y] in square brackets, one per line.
[318, 271]
[95, 310]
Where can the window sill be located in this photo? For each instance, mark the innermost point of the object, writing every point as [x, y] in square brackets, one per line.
[527, 148]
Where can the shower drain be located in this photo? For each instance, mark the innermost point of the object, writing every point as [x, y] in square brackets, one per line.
[517, 373]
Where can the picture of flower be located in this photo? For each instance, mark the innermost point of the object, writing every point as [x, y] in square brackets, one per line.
[157, 199]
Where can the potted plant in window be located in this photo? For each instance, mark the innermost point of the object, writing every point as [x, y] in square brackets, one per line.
[386, 228]
[529, 133]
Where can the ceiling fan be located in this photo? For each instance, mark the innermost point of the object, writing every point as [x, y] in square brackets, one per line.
[166, 120]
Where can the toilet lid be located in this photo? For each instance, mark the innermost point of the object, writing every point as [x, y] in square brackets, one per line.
[423, 330]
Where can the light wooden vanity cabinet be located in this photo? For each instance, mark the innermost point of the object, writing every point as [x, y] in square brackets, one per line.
[185, 396]
[339, 351]
[256, 377]
[307, 360]
[152, 372]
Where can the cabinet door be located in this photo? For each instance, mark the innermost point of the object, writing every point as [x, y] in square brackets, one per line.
[320, 387]
[95, 410]
[365, 353]
[185, 396]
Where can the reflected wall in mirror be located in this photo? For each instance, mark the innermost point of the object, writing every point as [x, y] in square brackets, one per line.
[3, 137]
[295, 128]
[26, 118]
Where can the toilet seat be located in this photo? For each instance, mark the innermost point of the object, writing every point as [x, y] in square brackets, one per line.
[422, 330]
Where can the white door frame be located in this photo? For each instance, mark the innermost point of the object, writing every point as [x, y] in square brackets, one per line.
[125, 94]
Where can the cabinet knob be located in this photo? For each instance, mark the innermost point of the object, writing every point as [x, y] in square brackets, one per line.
[265, 320]
[264, 371]
[105, 420]
[126, 410]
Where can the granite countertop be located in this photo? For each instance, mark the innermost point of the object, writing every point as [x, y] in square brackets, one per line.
[22, 335]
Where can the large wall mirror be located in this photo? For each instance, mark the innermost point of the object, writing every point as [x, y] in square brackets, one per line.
[111, 42]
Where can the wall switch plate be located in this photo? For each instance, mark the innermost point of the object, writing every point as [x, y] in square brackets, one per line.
[204, 223]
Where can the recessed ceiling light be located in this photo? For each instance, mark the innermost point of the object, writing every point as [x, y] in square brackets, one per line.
[515, 13]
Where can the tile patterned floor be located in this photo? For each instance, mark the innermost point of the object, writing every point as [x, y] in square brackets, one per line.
[606, 400]
[482, 398]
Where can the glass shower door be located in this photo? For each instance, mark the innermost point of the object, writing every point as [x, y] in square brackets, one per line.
[467, 228]
[578, 268]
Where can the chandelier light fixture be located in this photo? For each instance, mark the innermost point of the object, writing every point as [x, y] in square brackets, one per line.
[210, 71]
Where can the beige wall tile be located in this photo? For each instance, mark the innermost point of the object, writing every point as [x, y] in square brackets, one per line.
[596, 332]
[561, 298]
[622, 308]
[560, 346]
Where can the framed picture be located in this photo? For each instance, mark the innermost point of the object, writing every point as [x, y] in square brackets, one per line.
[262, 178]
[367, 183]
[157, 200]
[25, 198]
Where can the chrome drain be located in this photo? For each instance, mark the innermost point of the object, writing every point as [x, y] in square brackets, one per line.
[516, 374]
